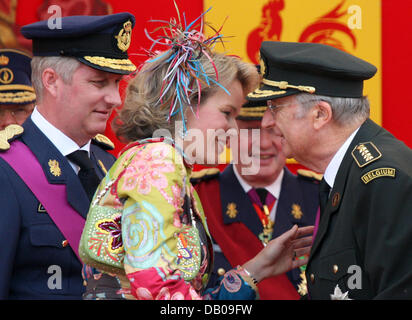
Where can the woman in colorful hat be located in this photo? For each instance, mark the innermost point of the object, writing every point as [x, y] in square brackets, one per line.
[146, 224]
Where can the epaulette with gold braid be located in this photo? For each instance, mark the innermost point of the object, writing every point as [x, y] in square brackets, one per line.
[104, 142]
[204, 174]
[9, 133]
[310, 175]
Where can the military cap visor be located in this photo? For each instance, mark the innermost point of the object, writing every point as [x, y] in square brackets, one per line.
[289, 68]
[15, 75]
[100, 42]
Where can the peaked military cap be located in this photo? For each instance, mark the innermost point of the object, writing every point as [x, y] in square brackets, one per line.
[100, 42]
[289, 68]
[252, 110]
[15, 75]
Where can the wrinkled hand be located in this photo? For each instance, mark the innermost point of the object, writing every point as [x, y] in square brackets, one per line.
[279, 256]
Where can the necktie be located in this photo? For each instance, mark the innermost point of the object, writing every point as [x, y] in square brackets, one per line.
[324, 190]
[261, 196]
[262, 193]
[87, 175]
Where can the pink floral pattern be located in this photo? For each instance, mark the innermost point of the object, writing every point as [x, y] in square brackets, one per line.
[147, 171]
[149, 285]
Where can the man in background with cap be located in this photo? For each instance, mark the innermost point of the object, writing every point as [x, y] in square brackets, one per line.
[17, 95]
[363, 233]
[76, 72]
[245, 211]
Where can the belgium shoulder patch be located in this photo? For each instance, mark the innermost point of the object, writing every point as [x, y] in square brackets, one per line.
[365, 153]
[8, 134]
[378, 173]
[203, 175]
[104, 142]
[309, 175]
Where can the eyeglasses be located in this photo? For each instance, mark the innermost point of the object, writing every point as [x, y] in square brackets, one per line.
[274, 108]
[19, 113]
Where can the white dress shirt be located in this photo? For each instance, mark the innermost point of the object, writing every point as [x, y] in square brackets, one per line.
[273, 188]
[62, 142]
[333, 166]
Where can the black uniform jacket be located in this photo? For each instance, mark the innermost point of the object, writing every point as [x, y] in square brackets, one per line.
[364, 243]
[35, 261]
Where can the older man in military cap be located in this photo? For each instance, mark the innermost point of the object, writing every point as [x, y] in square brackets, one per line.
[245, 211]
[52, 165]
[364, 230]
[17, 95]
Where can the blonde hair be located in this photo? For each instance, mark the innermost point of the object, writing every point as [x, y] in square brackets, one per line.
[64, 67]
[142, 113]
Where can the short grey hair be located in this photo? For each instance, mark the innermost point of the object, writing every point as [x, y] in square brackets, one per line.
[64, 67]
[344, 110]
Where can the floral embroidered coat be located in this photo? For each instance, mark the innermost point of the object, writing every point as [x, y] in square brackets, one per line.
[163, 231]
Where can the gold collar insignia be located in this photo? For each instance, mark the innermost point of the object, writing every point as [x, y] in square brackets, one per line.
[296, 211]
[231, 210]
[54, 168]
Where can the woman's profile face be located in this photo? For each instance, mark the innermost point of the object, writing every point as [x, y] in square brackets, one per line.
[208, 132]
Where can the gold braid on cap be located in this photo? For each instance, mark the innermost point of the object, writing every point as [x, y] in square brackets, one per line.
[285, 85]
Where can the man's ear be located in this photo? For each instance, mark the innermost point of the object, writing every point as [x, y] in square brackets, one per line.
[322, 114]
[50, 80]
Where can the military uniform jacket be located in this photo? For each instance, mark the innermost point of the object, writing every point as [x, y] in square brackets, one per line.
[36, 262]
[297, 204]
[363, 244]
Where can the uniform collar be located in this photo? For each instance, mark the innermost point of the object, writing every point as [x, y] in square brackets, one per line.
[273, 188]
[333, 166]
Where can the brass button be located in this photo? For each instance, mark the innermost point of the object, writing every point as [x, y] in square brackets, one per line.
[65, 243]
[312, 278]
[221, 271]
[335, 269]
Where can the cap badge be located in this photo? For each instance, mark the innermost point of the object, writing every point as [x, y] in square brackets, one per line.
[231, 210]
[125, 36]
[54, 168]
[296, 211]
[4, 61]
[6, 76]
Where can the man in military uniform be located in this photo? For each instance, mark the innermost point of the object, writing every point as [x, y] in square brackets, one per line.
[17, 95]
[362, 247]
[76, 74]
[246, 210]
